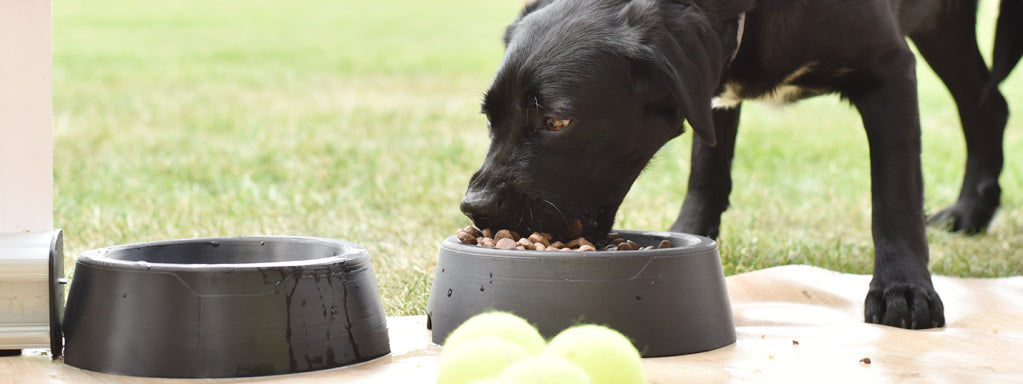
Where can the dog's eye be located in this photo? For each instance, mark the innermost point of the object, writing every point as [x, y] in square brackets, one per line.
[556, 124]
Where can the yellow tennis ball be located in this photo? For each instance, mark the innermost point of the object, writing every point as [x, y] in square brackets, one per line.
[605, 354]
[478, 359]
[501, 324]
[545, 370]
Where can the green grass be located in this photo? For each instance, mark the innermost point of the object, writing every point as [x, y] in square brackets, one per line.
[359, 120]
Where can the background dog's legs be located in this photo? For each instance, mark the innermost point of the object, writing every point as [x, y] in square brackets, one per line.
[710, 178]
[949, 45]
[901, 293]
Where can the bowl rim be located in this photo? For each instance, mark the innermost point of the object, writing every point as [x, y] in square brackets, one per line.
[694, 243]
[670, 301]
[348, 251]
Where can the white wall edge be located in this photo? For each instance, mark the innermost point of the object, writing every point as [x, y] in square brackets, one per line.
[26, 116]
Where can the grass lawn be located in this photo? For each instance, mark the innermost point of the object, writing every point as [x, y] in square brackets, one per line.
[359, 120]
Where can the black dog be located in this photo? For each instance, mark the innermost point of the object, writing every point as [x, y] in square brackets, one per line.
[589, 90]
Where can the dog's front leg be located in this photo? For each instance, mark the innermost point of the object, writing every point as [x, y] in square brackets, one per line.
[901, 293]
[710, 178]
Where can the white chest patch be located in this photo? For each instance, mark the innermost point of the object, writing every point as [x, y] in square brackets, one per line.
[785, 92]
[728, 98]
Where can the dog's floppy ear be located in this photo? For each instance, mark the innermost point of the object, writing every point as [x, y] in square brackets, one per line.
[687, 50]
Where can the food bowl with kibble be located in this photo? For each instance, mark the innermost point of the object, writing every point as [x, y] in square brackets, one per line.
[224, 307]
[667, 295]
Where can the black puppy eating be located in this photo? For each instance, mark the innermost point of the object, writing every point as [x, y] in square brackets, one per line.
[589, 90]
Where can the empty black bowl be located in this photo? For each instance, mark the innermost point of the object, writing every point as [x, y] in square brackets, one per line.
[669, 301]
[224, 307]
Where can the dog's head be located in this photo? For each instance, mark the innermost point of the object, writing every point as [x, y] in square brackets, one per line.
[587, 92]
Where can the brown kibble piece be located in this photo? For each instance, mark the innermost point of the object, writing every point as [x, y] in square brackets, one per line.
[503, 234]
[558, 245]
[519, 247]
[625, 246]
[505, 243]
[578, 242]
[472, 230]
[466, 237]
[587, 247]
[632, 244]
[525, 243]
[486, 232]
[538, 237]
[617, 241]
[575, 228]
[539, 247]
[488, 242]
[865, 361]
[613, 235]
[664, 244]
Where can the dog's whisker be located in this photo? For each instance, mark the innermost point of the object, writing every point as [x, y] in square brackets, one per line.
[557, 210]
[529, 226]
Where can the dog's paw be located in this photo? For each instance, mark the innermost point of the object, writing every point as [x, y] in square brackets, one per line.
[959, 219]
[969, 218]
[904, 305]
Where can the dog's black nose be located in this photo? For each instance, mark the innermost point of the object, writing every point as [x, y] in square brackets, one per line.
[480, 207]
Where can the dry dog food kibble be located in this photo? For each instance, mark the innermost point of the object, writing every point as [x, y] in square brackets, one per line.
[539, 241]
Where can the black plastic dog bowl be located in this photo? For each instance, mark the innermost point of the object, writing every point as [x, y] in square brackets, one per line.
[669, 301]
[224, 307]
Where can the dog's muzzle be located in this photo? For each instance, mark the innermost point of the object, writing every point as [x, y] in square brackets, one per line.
[482, 207]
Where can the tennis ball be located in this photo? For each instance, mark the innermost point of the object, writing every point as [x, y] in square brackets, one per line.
[545, 370]
[501, 324]
[605, 354]
[477, 359]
